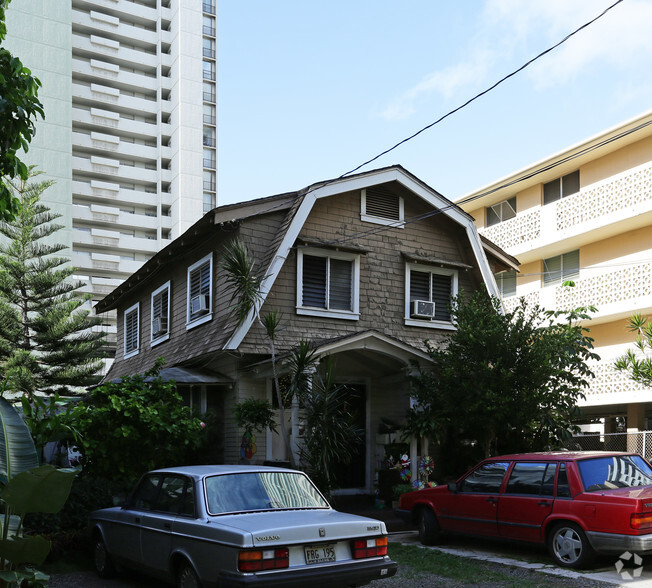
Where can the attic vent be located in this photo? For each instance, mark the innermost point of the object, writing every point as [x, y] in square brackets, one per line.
[381, 205]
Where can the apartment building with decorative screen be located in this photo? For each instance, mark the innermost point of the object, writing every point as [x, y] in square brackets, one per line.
[129, 90]
[583, 215]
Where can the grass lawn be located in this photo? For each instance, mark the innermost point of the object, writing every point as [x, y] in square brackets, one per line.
[415, 562]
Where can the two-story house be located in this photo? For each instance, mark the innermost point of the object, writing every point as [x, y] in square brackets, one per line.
[362, 267]
[584, 215]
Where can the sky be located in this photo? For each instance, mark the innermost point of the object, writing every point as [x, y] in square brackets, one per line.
[309, 90]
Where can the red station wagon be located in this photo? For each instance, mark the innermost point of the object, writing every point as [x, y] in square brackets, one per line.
[577, 503]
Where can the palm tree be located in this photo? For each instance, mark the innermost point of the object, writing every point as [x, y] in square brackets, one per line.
[246, 297]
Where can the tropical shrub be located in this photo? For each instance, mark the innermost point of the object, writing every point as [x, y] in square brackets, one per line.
[140, 423]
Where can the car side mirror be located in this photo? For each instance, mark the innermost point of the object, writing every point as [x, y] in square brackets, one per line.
[452, 487]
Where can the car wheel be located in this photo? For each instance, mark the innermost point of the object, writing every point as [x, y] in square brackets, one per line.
[569, 546]
[187, 577]
[101, 559]
[429, 529]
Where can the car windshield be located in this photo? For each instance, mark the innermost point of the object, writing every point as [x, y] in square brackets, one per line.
[261, 491]
[616, 471]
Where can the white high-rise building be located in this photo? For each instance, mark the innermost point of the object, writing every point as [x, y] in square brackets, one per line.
[129, 90]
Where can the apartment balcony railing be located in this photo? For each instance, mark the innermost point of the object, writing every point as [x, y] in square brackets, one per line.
[209, 75]
[209, 96]
[611, 386]
[610, 291]
[210, 53]
[209, 141]
[210, 186]
[209, 120]
[208, 31]
[209, 163]
[208, 8]
[597, 205]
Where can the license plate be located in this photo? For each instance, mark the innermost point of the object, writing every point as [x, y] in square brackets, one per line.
[319, 553]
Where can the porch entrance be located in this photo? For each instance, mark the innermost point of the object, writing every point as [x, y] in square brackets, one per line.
[353, 474]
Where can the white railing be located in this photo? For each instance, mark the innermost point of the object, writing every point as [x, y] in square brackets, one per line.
[598, 204]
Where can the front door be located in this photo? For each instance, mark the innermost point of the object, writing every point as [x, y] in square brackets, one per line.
[353, 474]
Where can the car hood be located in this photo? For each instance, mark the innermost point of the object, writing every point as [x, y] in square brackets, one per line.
[300, 526]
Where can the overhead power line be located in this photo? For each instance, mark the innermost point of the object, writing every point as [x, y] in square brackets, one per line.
[440, 119]
[489, 89]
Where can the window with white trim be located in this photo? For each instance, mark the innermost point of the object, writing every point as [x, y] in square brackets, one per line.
[561, 268]
[161, 314]
[501, 211]
[506, 282]
[381, 205]
[429, 292]
[561, 187]
[131, 330]
[200, 289]
[328, 283]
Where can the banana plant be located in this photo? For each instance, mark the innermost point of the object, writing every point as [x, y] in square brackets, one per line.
[25, 487]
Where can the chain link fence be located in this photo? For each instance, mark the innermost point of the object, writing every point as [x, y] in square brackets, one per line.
[639, 442]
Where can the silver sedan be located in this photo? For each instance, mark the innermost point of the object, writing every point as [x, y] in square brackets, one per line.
[227, 526]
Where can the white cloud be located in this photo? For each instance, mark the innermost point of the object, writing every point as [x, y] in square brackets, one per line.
[446, 82]
[513, 31]
[620, 38]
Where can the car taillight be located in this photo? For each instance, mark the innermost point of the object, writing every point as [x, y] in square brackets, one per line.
[641, 520]
[263, 559]
[369, 547]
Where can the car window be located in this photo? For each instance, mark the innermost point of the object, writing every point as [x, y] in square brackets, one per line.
[144, 496]
[261, 491]
[563, 488]
[535, 478]
[616, 471]
[487, 478]
[175, 496]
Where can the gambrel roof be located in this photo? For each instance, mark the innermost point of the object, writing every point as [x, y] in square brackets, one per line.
[297, 207]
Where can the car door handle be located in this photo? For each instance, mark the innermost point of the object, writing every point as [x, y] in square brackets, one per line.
[493, 500]
[137, 520]
[544, 503]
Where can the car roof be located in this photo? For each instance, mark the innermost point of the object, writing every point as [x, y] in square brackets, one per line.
[202, 471]
[558, 455]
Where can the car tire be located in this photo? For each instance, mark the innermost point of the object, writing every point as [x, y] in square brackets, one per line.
[429, 529]
[569, 546]
[104, 566]
[187, 577]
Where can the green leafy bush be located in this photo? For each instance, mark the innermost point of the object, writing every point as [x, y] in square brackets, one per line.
[129, 427]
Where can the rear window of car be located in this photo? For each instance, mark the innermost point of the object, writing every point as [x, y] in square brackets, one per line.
[229, 493]
[616, 471]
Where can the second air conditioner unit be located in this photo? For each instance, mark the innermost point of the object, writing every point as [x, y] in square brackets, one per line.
[422, 309]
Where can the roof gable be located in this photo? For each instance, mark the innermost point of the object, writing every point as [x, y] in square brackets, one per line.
[304, 205]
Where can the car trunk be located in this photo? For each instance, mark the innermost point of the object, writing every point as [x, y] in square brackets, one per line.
[291, 526]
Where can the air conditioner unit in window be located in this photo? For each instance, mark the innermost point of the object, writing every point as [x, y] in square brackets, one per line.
[422, 309]
[159, 326]
[199, 304]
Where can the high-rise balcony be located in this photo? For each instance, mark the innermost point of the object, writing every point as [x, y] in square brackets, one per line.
[99, 47]
[123, 8]
[109, 192]
[106, 121]
[621, 202]
[113, 28]
[102, 72]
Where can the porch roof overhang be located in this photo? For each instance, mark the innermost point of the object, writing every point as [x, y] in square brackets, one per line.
[185, 375]
[364, 341]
